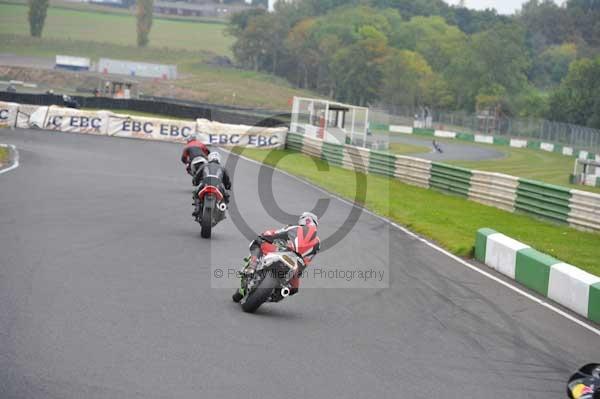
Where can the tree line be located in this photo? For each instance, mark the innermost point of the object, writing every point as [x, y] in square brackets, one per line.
[544, 61]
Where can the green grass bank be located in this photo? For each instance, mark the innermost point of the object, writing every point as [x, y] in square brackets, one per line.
[448, 220]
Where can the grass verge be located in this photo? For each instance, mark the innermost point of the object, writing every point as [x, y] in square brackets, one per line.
[198, 81]
[533, 164]
[406, 149]
[3, 155]
[548, 167]
[118, 29]
[450, 221]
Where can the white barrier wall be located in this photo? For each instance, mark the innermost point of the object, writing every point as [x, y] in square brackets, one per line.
[121, 125]
[150, 128]
[221, 134]
[31, 116]
[8, 114]
[76, 121]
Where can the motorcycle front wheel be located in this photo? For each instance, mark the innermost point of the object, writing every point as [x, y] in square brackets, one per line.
[260, 294]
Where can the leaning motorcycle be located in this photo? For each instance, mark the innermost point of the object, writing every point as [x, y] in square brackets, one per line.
[212, 209]
[271, 282]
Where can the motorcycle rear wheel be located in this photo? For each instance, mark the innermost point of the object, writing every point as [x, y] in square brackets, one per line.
[260, 294]
[206, 222]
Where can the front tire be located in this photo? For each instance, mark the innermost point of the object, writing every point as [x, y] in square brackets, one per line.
[260, 294]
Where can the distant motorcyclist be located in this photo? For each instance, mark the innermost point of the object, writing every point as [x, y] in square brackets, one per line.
[193, 149]
[302, 238]
[214, 174]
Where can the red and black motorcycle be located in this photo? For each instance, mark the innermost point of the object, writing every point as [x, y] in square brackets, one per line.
[277, 274]
[212, 209]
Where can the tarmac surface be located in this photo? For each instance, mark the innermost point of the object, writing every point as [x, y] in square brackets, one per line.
[451, 151]
[105, 292]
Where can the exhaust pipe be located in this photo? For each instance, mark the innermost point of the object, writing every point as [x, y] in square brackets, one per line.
[222, 207]
[285, 292]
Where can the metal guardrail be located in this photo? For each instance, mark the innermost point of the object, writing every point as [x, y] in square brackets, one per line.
[554, 203]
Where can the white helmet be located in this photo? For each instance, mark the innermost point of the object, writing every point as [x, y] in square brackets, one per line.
[214, 157]
[192, 137]
[308, 218]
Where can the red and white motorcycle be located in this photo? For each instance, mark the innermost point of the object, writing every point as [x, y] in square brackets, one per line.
[212, 209]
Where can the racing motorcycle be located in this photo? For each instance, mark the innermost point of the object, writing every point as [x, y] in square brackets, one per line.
[585, 383]
[271, 282]
[212, 209]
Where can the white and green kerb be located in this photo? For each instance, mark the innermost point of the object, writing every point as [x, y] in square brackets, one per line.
[561, 282]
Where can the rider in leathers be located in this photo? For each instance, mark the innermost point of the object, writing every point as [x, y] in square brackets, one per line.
[214, 174]
[193, 149]
[303, 237]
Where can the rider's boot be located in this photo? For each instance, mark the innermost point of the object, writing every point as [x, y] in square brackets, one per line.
[237, 296]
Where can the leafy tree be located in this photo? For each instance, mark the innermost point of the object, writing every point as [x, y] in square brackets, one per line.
[433, 38]
[37, 16]
[409, 82]
[546, 24]
[552, 65]
[412, 8]
[530, 103]
[473, 21]
[239, 21]
[322, 7]
[586, 17]
[300, 43]
[356, 69]
[576, 100]
[497, 57]
[144, 12]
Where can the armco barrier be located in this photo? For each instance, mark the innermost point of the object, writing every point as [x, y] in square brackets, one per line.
[577, 208]
[382, 163]
[294, 142]
[312, 147]
[543, 200]
[356, 158]
[333, 153]
[415, 171]
[450, 178]
[494, 189]
[563, 283]
[584, 210]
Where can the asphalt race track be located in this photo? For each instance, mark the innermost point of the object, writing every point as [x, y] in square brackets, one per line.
[105, 292]
[453, 151]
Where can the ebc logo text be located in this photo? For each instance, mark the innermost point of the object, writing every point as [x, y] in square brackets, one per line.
[255, 140]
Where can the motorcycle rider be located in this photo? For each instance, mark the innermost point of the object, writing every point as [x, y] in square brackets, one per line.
[193, 149]
[214, 174]
[302, 238]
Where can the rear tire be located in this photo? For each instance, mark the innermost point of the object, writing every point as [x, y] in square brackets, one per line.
[206, 222]
[260, 294]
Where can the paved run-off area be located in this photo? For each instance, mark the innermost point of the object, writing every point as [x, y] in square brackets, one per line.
[105, 287]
